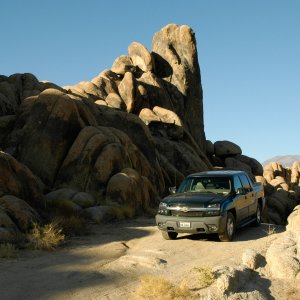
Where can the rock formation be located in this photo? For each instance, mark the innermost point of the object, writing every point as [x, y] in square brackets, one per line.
[281, 190]
[120, 139]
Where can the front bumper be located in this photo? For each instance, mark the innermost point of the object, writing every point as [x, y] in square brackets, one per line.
[197, 224]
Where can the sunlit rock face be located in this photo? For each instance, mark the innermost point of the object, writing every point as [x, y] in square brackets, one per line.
[124, 137]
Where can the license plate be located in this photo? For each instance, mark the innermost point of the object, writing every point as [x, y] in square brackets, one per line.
[184, 224]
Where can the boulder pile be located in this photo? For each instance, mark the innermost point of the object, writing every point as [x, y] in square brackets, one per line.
[228, 155]
[120, 139]
[282, 191]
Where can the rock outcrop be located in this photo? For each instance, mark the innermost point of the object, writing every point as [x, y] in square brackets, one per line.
[281, 189]
[283, 256]
[120, 139]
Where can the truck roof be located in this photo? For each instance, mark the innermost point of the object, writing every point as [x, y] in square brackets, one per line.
[218, 173]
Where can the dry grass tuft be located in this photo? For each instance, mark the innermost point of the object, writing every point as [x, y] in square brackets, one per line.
[271, 230]
[123, 212]
[158, 288]
[205, 275]
[8, 250]
[72, 225]
[47, 237]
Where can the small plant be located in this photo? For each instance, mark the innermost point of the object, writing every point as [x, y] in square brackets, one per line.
[271, 230]
[47, 237]
[72, 225]
[122, 212]
[205, 275]
[8, 250]
[158, 288]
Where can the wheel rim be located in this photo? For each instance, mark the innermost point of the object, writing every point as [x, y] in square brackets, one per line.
[258, 215]
[230, 227]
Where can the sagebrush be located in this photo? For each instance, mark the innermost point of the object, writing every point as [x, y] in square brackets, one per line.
[47, 237]
[158, 288]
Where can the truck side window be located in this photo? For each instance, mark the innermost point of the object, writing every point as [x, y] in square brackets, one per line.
[246, 184]
[237, 183]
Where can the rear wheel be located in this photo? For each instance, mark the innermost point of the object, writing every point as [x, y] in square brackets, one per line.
[227, 235]
[257, 220]
[169, 235]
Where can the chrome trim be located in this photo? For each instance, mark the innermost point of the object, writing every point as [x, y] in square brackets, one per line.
[186, 209]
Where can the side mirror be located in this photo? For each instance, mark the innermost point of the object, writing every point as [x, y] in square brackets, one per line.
[240, 191]
[172, 189]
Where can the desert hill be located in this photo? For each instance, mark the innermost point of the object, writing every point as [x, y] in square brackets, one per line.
[284, 160]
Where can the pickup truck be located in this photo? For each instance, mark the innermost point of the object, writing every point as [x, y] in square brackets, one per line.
[211, 202]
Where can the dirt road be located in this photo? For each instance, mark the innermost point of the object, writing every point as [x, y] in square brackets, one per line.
[107, 264]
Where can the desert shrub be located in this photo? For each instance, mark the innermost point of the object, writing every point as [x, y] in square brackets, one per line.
[8, 250]
[271, 230]
[47, 237]
[205, 276]
[71, 225]
[158, 288]
[122, 212]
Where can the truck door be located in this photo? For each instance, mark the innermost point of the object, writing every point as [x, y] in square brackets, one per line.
[249, 195]
[240, 200]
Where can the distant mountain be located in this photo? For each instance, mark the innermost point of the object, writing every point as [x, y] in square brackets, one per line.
[284, 160]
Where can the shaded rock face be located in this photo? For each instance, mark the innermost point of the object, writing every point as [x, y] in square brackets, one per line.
[124, 137]
[120, 139]
[282, 191]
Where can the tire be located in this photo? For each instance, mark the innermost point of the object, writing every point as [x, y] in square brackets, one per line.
[228, 234]
[257, 220]
[169, 235]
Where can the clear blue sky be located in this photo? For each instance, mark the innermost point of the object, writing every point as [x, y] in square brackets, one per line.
[249, 55]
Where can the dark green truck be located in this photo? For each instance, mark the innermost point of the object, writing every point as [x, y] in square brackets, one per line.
[211, 202]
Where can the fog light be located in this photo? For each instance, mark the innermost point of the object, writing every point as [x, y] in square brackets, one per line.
[212, 227]
[161, 224]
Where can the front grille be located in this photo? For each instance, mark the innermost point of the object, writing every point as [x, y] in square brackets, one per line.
[188, 214]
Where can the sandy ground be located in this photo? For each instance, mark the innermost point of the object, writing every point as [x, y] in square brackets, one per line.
[108, 263]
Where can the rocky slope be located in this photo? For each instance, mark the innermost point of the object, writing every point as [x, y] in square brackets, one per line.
[119, 140]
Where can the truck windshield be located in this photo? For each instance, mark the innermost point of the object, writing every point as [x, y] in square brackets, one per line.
[217, 185]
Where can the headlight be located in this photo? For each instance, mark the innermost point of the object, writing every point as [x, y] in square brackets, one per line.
[214, 205]
[213, 209]
[162, 209]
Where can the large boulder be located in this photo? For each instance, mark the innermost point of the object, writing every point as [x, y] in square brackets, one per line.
[283, 256]
[122, 64]
[16, 179]
[226, 148]
[9, 231]
[176, 61]
[18, 210]
[140, 56]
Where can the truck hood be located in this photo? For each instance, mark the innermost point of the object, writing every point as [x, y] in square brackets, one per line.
[194, 198]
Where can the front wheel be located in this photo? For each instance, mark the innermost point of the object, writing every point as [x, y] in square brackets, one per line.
[227, 235]
[169, 235]
[257, 220]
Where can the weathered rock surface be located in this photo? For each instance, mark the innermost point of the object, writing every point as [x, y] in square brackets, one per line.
[175, 57]
[9, 231]
[123, 138]
[16, 179]
[226, 148]
[18, 210]
[140, 56]
[283, 256]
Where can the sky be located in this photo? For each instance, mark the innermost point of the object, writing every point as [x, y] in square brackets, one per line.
[248, 51]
